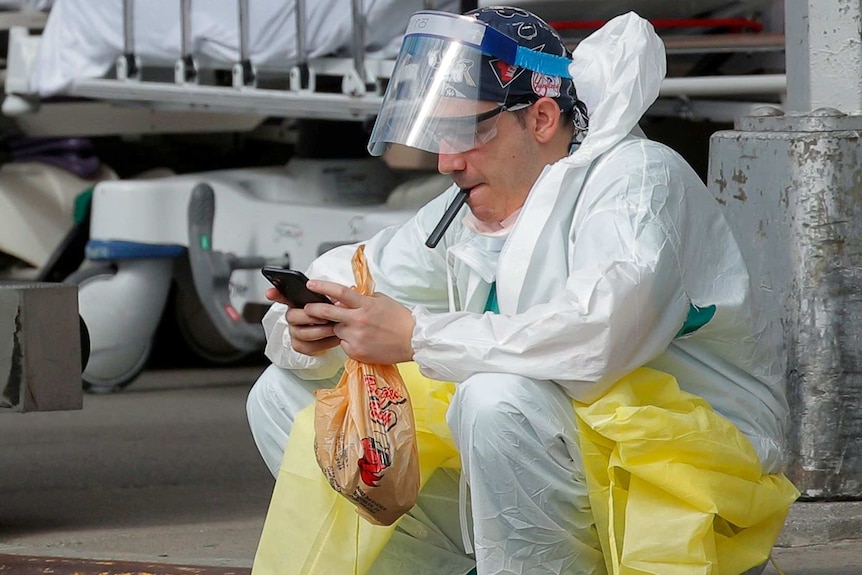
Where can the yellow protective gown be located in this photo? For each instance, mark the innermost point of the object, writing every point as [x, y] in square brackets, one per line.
[675, 488]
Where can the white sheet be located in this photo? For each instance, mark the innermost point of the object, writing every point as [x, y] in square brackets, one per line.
[37, 5]
[82, 38]
[607, 9]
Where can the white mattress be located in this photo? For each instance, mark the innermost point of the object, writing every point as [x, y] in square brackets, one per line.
[25, 4]
[607, 9]
[82, 38]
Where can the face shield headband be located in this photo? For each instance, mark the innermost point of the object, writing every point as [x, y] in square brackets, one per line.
[451, 72]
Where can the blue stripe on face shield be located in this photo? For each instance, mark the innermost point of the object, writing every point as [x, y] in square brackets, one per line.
[497, 44]
[543, 63]
[493, 42]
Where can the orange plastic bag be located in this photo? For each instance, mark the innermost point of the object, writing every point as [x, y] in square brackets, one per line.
[365, 435]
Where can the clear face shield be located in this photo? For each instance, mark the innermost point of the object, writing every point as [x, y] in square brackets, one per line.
[432, 102]
[450, 84]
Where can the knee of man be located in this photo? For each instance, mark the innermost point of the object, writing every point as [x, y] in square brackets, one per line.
[257, 395]
[270, 398]
[488, 401]
[259, 399]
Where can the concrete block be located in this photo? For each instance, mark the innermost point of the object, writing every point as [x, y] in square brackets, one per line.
[40, 347]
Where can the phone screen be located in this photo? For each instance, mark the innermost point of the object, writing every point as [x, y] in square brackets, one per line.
[291, 284]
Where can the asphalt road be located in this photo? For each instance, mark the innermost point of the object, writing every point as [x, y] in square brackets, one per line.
[166, 472]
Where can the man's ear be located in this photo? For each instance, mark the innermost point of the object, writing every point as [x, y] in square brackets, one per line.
[547, 118]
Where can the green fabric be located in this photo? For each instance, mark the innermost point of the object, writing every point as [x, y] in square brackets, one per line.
[82, 204]
[491, 304]
[696, 319]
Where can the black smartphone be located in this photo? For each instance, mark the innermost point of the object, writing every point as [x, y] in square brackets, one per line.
[291, 284]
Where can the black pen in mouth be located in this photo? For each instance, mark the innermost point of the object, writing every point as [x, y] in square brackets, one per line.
[448, 217]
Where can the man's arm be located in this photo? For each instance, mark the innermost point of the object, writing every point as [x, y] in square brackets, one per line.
[621, 304]
[400, 265]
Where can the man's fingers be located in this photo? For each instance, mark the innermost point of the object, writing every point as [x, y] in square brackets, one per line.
[328, 313]
[273, 294]
[309, 333]
[315, 347]
[301, 316]
[336, 292]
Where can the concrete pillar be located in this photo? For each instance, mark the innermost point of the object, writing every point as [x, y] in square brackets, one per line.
[791, 187]
[824, 54]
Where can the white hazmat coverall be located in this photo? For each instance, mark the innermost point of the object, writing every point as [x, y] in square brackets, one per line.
[618, 250]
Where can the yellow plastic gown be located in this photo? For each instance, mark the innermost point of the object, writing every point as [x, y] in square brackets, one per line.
[675, 488]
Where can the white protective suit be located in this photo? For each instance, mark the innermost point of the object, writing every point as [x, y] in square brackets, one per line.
[617, 248]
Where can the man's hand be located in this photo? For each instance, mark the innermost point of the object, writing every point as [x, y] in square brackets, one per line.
[308, 335]
[370, 329]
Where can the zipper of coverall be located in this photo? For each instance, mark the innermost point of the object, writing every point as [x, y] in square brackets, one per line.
[462, 482]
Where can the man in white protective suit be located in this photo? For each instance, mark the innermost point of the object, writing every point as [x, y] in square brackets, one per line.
[587, 251]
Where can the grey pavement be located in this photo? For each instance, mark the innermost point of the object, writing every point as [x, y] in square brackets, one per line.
[166, 472]
[820, 538]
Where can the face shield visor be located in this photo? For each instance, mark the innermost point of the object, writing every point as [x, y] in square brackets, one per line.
[451, 82]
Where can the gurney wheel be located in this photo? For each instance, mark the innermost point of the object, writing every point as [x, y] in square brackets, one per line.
[198, 331]
[91, 275]
[120, 303]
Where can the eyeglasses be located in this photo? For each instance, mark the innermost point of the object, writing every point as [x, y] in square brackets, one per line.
[463, 133]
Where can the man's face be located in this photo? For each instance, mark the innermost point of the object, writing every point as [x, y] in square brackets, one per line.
[499, 172]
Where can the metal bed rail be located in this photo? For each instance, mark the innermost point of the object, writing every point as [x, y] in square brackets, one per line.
[362, 78]
[299, 94]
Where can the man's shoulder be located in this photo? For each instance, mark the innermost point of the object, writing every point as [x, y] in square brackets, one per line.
[634, 147]
[634, 155]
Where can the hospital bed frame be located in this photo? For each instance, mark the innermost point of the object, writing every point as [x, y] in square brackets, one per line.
[193, 102]
[242, 105]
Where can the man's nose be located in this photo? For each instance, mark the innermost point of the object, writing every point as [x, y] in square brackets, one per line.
[449, 161]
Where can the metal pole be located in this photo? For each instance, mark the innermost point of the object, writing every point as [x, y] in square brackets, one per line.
[128, 27]
[359, 41]
[724, 85]
[185, 70]
[243, 71]
[824, 55]
[186, 19]
[127, 64]
[243, 30]
[301, 55]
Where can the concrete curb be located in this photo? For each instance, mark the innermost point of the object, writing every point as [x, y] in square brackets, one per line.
[37, 565]
[814, 523]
